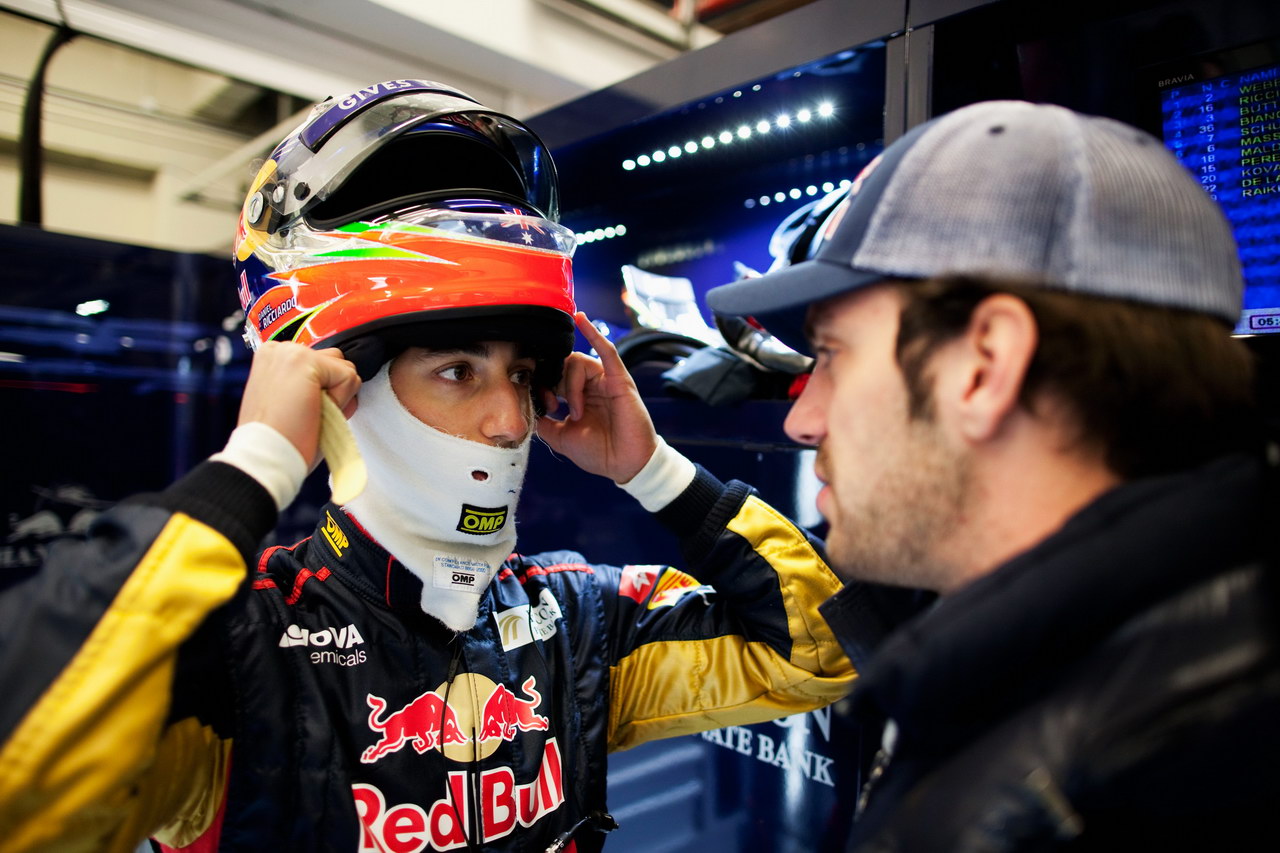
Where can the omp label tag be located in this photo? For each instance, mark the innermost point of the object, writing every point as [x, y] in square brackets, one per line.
[481, 520]
[334, 535]
[461, 573]
[347, 474]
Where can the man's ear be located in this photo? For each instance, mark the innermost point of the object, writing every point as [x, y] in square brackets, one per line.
[989, 365]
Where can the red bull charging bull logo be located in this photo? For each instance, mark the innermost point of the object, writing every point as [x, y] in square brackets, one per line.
[427, 723]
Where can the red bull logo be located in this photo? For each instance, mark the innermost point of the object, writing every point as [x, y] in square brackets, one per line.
[502, 803]
[429, 723]
[426, 722]
[503, 806]
[505, 713]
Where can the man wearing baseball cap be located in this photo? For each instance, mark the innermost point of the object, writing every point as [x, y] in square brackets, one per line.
[1026, 399]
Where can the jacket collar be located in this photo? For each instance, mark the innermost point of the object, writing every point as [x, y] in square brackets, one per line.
[982, 646]
[347, 549]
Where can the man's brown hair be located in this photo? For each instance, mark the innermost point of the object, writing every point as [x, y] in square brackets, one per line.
[1153, 389]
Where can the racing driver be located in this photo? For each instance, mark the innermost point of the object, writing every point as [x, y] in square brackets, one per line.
[401, 680]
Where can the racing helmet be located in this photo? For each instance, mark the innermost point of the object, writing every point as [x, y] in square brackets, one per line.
[799, 236]
[407, 213]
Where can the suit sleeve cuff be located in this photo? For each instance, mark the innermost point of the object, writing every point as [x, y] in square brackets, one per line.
[268, 457]
[663, 478]
[225, 498]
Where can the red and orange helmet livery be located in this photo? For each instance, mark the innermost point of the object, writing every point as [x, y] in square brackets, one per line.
[356, 277]
[404, 203]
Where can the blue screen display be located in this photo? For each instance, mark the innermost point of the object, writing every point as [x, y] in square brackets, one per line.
[1226, 130]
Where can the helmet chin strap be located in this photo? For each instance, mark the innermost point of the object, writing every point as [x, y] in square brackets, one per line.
[442, 505]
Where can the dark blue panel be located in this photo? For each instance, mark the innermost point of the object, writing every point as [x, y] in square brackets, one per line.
[695, 214]
[778, 47]
[102, 406]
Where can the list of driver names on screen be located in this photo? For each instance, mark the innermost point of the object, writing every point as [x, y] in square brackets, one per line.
[1227, 132]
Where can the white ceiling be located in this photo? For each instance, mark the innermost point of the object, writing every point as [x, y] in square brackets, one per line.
[521, 56]
[140, 150]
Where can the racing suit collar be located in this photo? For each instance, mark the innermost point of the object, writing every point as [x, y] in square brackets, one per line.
[373, 571]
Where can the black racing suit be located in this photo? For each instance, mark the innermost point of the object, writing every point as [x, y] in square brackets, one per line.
[151, 690]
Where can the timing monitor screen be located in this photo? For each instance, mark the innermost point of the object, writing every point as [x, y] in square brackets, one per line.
[1225, 128]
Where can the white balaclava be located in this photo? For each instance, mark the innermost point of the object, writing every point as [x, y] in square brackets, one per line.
[443, 506]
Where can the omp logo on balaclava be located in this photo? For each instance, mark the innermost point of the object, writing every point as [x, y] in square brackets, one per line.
[481, 520]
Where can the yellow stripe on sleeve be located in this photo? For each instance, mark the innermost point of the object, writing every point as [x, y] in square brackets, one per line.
[680, 687]
[805, 580]
[188, 785]
[70, 774]
[665, 689]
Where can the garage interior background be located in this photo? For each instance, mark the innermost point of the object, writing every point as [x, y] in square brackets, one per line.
[120, 358]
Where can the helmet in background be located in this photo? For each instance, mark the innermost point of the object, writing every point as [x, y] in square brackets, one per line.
[798, 237]
[407, 214]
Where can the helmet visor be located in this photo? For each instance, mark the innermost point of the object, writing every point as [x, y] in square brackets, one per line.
[347, 145]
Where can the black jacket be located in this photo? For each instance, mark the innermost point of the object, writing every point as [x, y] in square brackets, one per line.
[1116, 687]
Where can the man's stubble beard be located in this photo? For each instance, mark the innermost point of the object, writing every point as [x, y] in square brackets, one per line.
[890, 532]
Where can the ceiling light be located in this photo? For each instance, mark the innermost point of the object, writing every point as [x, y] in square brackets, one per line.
[93, 306]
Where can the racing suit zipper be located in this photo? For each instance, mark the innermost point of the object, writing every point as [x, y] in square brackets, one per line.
[600, 822]
[879, 764]
[473, 801]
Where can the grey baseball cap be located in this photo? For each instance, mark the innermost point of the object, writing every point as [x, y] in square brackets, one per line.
[1015, 190]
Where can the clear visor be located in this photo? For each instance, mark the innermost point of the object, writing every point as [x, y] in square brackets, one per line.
[526, 232]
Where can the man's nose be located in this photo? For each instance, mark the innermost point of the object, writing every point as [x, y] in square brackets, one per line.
[806, 422]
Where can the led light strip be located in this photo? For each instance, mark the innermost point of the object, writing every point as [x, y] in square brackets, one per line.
[794, 193]
[726, 137]
[600, 234]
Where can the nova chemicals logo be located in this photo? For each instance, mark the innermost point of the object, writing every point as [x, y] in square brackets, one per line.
[481, 520]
